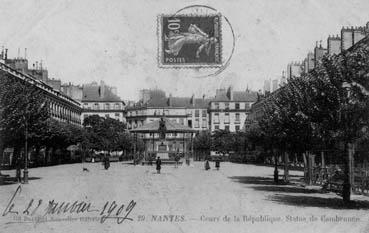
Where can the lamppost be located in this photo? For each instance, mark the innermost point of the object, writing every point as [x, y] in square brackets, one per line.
[26, 118]
[25, 171]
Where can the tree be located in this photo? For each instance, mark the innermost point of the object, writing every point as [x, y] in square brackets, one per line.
[23, 108]
[331, 103]
[222, 141]
[107, 134]
[202, 143]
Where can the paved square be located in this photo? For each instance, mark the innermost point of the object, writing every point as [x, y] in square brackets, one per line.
[237, 198]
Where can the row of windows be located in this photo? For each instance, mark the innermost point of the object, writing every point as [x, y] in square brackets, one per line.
[227, 106]
[167, 112]
[106, 106]
[226, 127]
[226, 117]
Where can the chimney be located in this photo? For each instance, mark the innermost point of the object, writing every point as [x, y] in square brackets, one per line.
[18, 53]
[25, 53]
[169, 102]
[102, 89]
[36, 65]
[193, 100]
[230, 93]
[6, 54]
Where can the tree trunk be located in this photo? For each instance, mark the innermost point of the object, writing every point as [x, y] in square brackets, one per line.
[1, 154]
[306, 176]
[322, 159]
[286, 166]
[346, 190]
[276, 168]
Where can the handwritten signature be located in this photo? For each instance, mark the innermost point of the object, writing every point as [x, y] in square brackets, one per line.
[110, 210]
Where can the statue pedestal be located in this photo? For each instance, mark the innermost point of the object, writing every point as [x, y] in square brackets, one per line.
[162, 151]
[163, 155]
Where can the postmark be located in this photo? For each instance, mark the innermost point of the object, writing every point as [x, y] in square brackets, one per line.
[192, 40]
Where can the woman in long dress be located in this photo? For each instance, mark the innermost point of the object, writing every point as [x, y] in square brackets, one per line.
[194, 36]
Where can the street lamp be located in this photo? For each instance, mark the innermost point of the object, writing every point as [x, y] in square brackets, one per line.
[26, 118]
[25, 171]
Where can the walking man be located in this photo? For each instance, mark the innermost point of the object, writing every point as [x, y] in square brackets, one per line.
[106, 162]
[207, 166]
[217, 164]
[158, 164]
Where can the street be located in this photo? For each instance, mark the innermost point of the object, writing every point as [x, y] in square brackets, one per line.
[237, 198]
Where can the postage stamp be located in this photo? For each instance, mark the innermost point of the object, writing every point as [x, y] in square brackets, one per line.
[190, 41]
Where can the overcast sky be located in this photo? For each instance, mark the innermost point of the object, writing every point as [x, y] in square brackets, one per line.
[116, 40]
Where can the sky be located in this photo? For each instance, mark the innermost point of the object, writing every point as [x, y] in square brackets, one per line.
[116, 41]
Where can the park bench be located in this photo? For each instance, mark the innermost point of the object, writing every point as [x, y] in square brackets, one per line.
[361, 181]
[333, 180]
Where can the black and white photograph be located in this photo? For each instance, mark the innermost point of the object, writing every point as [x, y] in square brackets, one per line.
[184, 116]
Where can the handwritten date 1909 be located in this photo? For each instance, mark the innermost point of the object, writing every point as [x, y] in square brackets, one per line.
[111, 210]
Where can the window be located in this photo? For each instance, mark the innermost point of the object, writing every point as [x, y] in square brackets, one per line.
[107, 115]
[216, 127]
[216, 105]
[226, 117]
[226, 106]
[237, 128]
[204, 123]
[181, 121]
[189, 123]
[237, 106]
[117, 114]
[216, 117]
[197, 113]
[96, 106]
[117, 107]
[204, 113]
[107, 106]
[226, 127]
[197, 123]
[237, 117]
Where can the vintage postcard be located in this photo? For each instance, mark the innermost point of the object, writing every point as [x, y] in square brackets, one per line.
[174, 116]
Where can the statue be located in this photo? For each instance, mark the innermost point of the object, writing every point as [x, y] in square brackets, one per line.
[162, 129]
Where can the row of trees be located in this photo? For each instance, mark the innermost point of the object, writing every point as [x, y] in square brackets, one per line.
[320, 110]
[221, 141]
[24, 113]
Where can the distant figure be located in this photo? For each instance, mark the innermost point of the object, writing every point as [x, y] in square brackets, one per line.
[158, 165]
[217, 164]
[176, 159]
[18, 169]
[106, 162]
[85, 169]
[207, 166]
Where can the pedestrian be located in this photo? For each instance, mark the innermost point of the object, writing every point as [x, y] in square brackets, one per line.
[207, 166]
[158, 164]
[176, 158]
[217, 164]
[106, 162]
[18, 169]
